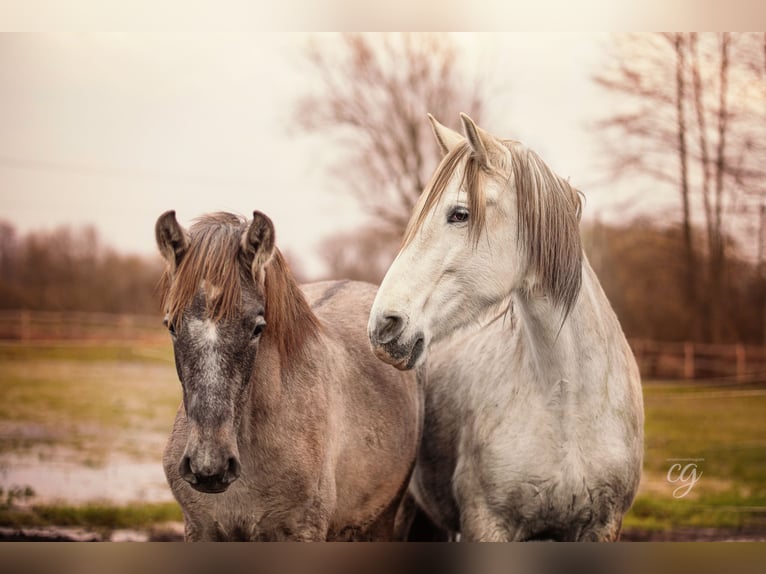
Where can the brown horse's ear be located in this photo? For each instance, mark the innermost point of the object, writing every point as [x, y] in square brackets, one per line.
[172, 239]
[482, 143]
[258, 244]
[446, 138]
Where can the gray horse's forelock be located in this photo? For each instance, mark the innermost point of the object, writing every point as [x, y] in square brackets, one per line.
[549, 217]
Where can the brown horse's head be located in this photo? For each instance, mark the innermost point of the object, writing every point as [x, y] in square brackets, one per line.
[215, 304]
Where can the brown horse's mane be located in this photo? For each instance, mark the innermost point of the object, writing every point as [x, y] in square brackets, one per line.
[215, 262]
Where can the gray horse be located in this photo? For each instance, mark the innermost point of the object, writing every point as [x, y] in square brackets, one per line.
[534, 414]
[290, 428]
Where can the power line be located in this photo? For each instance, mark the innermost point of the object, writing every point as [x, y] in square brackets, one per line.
[31, 164]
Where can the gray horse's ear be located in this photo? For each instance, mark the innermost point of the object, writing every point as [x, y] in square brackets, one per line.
[446, 138]
[172, 239]
[258, 243]
[480, 141]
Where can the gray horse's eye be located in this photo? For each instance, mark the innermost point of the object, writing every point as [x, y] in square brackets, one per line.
[260, 325]
[458, 214]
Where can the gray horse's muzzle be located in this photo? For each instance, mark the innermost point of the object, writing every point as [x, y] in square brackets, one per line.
[385, 332]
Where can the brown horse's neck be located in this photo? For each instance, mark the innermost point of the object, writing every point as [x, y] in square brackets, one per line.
[289, 318]
[265, 383]
[290, 327]
[277, 380]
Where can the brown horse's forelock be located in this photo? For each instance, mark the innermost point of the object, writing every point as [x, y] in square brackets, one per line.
[548, 207]
[214, 257]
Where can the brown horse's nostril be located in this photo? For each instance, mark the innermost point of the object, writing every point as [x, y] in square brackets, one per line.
[388, 327]
[233, 469]
[185, 470]
[210, 478]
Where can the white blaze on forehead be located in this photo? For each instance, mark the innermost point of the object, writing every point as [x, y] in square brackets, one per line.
[208, 361]
[208, 329]
[211, 331]
[205, 330]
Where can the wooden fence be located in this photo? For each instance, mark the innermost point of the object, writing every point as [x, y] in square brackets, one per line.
[656, 360]
[33, 326]
[669, 360]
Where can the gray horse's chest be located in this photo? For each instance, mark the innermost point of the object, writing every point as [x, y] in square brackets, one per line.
[544, 480]
[557, 507]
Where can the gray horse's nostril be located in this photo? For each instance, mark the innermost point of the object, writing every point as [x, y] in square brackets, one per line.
[388, 327]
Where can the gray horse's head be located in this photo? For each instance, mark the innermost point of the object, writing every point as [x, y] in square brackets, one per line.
[214, 299]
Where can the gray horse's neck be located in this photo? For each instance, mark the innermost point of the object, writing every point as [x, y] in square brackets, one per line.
[555, 342]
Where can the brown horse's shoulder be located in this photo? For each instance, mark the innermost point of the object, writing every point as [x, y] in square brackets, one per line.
[342, 299]
[343, 308]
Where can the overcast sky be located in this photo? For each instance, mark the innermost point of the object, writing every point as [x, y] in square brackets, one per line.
[111, 130]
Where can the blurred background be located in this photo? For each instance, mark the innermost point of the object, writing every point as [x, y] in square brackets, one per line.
[663, 133]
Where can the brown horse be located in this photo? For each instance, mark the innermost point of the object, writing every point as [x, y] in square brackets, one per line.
[290, 428]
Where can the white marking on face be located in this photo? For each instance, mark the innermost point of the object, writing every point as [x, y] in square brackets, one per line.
[211, 331]
[205, 332]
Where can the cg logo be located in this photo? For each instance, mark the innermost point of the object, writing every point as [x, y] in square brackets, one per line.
[684, 472]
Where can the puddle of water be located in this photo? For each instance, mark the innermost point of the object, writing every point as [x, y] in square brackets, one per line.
[119, 480]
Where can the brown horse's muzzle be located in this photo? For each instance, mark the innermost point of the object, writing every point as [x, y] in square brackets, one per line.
[210, 466]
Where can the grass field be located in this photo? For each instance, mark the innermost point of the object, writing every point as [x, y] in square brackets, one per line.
[725, 425]
[89, 405]
[91, 400]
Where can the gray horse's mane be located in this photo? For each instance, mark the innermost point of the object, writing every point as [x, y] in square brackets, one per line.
[549, 212]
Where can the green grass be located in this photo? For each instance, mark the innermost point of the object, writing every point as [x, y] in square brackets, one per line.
[95, 516]
[87, 403]
[722, 424]
[90, 399]
[723, 511]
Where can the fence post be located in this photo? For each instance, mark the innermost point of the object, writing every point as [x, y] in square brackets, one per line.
[25, 325]
[741, 362]
[688, 360]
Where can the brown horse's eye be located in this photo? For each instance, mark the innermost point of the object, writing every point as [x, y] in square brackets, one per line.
[260, 325]
[169, 326]
[458, 215]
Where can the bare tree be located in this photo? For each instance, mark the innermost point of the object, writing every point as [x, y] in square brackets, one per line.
[679, 44]
[717, 255]
[700, 110]
[658, 79]
[68, 269]
[375, 92]
[633, 258]
[362, 255]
